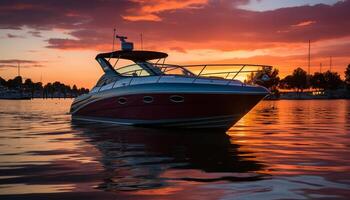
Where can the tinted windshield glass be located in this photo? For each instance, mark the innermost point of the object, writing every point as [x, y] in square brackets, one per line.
[139, 69]
[133, 70]
[174, 70]
[106, 79]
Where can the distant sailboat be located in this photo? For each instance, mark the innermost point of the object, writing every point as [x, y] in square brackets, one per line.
[6, 93]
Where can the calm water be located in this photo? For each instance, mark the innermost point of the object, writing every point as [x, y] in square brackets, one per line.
[280, 150]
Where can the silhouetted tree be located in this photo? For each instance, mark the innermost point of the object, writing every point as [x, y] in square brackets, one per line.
[38, 86]
[287, 83]
[333, 80]
[268, 77]
[83, 91]
[29, 86]
[74, 90]
[66, 90]
[48, 90]
[318, 81]
[347, 77]
[56, 89]
[15, 83]
[298, 80]
[2, 81]
[28, 81]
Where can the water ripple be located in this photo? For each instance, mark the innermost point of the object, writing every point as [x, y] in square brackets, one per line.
[280, 150]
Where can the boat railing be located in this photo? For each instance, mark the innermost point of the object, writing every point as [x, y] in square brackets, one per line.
[216, 70]
[222, 71]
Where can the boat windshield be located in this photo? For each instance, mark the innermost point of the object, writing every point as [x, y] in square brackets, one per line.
[132, 70]
[174, 70]
[153, 69]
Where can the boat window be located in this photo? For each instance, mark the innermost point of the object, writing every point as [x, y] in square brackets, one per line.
[147, 99]
[104, 80]
[151, 67]
[100, 83]
[122, 100]
[106, 66]
[116, 63]
[177, 98]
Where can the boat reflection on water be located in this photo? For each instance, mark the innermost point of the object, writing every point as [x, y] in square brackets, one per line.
[141, 158]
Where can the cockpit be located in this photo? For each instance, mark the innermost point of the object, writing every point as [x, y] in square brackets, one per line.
[148, 66]
[141, 66]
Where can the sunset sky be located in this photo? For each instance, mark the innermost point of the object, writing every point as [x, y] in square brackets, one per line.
[59, 39]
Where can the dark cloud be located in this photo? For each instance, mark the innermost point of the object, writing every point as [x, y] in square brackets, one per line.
[9, 63]
[9, 35]
[64, 14]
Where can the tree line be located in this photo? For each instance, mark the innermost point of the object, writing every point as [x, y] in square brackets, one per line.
[299, 80]
[37, 89]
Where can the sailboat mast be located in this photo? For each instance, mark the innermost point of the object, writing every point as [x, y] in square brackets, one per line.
[113, 39]
[141, 41]
[309, 58]
[18, 69]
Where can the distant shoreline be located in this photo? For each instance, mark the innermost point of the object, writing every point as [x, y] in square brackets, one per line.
[37, 98]
[324, 99]
[266, 99]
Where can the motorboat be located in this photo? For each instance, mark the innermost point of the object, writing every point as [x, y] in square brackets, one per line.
[150, 93]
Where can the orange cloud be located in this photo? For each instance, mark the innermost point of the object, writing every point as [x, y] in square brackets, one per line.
[148, 9]
[304, 23]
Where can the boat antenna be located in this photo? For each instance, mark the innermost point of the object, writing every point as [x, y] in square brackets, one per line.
[141, 41]
[113, 39]
[125, 46]
[308, 66]
[330, 63]
[112, 45]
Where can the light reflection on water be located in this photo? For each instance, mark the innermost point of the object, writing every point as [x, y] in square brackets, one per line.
[280, 150]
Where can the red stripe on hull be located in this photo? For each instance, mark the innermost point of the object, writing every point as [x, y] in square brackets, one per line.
[194, 106]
